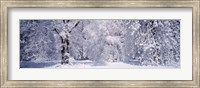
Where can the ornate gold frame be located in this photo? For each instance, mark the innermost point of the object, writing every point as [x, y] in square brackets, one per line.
[6, 4]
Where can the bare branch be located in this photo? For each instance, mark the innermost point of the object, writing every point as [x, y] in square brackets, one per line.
[74, 26]
[56, 30]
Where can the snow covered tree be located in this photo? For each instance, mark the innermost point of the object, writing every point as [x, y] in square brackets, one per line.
[64, 28]
[94, 40]
[130, 38]
[152, 42]
[113, 48]
[37, 42]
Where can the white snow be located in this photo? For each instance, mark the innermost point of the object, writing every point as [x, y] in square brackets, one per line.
[63, 34]
[113, 39]
[112, 65]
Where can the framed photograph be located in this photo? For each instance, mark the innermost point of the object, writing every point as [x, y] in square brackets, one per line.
[77, 43]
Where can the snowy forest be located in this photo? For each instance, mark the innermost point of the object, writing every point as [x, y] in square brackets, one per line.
[96, 43]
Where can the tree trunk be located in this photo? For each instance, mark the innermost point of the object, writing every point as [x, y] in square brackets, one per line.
[64, 48]
[65, 51]
[65, 43]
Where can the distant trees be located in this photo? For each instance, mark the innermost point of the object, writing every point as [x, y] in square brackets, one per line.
[131, 41]
[94, 41]
[114, 41]
[147, 42]
[37, 42]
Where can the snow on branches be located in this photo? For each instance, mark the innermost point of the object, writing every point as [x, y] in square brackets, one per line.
[138, 42]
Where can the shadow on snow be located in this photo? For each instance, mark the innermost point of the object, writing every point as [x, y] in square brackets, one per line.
[29, 64]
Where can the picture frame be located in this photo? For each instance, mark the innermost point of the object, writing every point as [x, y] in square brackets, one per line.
[7, 4]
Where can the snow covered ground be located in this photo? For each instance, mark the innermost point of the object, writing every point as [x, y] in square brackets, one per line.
[87, 64]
